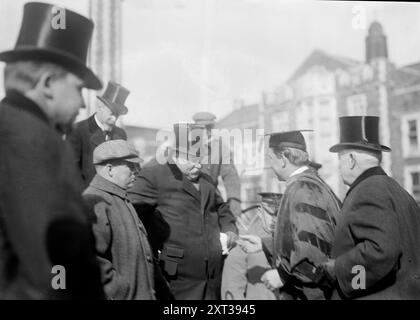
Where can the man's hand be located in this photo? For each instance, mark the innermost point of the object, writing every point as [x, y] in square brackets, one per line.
[231, 241]
[271, 280]
[235, 207]
[249, 243]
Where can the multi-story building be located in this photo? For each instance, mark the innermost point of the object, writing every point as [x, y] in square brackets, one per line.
[326, 86]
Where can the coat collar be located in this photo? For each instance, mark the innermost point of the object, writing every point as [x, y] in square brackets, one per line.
[101, 183]
[20, 101]
[375, 171]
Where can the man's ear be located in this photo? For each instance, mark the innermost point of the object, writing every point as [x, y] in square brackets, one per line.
[109, 170]
[44, 85]
[352, 160]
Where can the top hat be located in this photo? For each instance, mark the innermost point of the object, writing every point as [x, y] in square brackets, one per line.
[41, 40]
[114, 97]
[289, 139]
[359, 132]
[188, 139]
[204, 118]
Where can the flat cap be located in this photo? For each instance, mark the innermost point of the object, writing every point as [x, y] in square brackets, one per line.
[291, 139]
[204, 118]
[115, 150]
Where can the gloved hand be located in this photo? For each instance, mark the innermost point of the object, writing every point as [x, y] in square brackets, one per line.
[235, 207]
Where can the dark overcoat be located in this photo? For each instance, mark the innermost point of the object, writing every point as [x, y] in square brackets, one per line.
[122, 247]
[84, 138]
[379, 231]
[43, 219]
[191, 254]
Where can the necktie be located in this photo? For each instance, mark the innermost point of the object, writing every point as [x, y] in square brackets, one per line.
[107, 135]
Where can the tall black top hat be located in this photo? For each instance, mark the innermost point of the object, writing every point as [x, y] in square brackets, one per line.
[66, 43]
[188, 139]
[291, 139]
[114, 97]
[359, 132]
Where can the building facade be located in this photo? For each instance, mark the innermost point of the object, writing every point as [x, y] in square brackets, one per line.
[325, 87]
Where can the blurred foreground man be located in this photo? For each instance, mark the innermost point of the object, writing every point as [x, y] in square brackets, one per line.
[376, 248]
[306, 222]
[220, 163]
[98, 128]
[194, 220]
[122, 246]
[242, 272]
[43, 221]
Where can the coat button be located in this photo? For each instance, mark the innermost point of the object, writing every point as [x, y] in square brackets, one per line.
[149, 259]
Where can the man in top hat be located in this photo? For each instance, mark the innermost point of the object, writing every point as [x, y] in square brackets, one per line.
[242, 272]
[43, 221]
[306, 222]
[223, 167]
[122, 247]
[376, 248]
[98, 128]
[195, 216]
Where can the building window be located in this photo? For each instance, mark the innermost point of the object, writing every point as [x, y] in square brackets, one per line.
[410, 125]
[413, 134]
[357, 105]
[415, 183]
[412, 181]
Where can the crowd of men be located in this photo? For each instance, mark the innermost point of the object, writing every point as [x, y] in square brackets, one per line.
[79, 196]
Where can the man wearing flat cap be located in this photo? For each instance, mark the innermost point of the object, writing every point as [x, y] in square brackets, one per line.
[99, 127]
[242, 272]
[43, 219]
[122, 247]
[224, 167]
[306, 222]
[376, 248]
[196, 218]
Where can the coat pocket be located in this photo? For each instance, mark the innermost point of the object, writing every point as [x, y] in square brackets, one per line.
[171, 256]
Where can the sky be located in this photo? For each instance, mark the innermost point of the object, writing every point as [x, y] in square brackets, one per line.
[183, 56]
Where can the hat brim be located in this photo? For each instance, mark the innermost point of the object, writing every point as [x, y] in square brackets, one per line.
[353, 145]
[121, 110]
[134, 160]
[61, 58]
[205, 123]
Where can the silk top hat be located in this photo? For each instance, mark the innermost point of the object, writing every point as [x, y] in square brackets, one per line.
[290, 139]
[114, 97]
[41, 38]
[359, 132]
[188, 139]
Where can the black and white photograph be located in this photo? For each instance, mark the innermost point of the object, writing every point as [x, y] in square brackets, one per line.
[228, 151]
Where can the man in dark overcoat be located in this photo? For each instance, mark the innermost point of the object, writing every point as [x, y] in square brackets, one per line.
[98, 128]
[122, 247]
[46, 242]
[376, 248]
[191, 255]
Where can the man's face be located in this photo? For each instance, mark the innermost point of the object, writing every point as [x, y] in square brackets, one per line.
[124, 174]
[277, 164]
[345, 164]
[106, 116]
[66, 99]
[190, 166]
